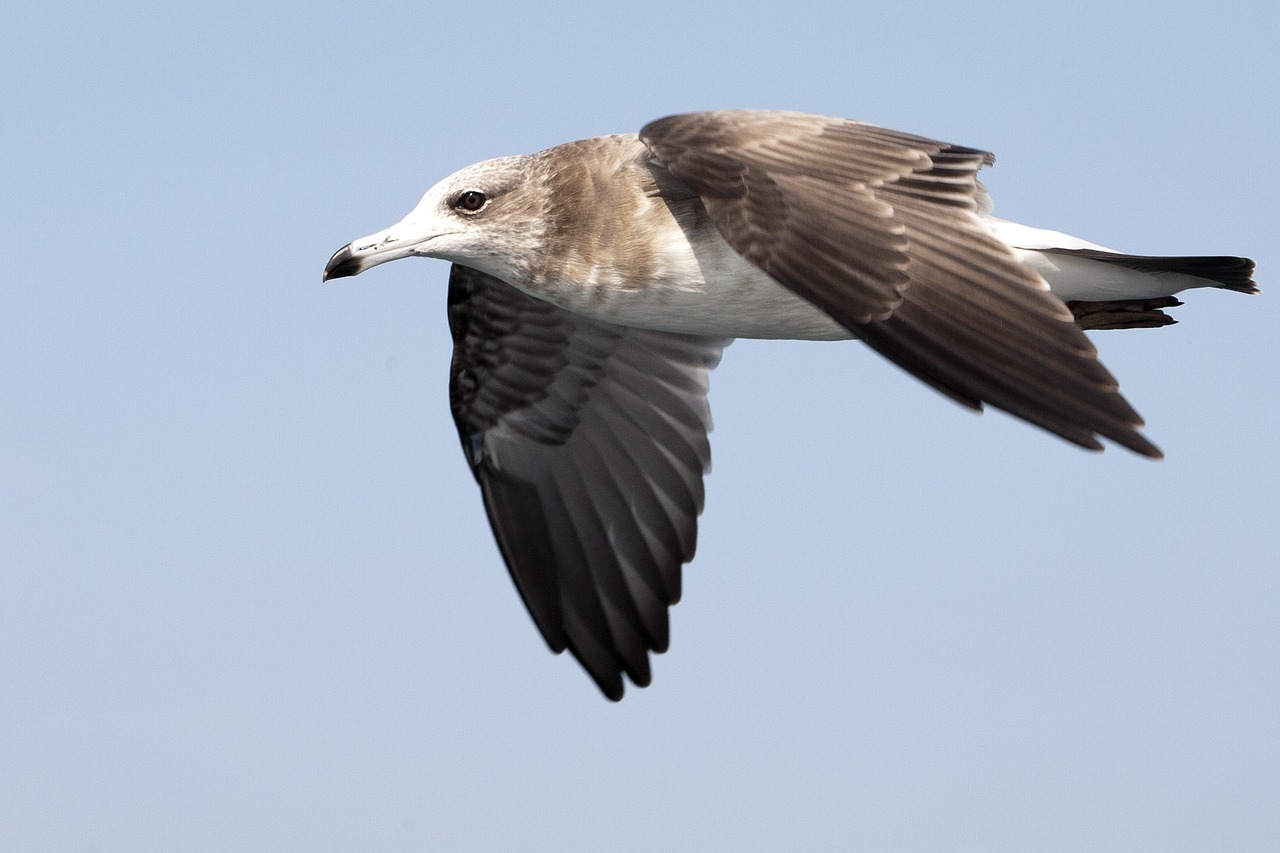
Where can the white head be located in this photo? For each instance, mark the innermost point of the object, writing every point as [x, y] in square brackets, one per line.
[489, 216]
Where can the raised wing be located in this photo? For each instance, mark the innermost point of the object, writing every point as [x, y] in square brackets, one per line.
[881, 230]
[589, 442]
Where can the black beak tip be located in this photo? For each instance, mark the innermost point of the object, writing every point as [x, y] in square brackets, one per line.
[342, 264]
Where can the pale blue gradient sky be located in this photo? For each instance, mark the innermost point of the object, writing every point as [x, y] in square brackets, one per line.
[248, 597]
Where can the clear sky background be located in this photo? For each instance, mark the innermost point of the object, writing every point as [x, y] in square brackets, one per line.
[248, 596]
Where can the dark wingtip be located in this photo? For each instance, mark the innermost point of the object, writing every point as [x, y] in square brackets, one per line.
[1145, 448]
[342, 264]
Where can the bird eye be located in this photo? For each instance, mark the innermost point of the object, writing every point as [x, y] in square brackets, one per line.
[470, 201]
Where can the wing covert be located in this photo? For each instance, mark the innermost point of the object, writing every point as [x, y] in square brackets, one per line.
[881, 230]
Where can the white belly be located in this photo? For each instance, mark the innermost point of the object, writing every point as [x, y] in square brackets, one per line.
[737, 301]
[710, 290]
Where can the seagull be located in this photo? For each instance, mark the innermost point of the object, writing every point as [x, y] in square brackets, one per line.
[595, 283]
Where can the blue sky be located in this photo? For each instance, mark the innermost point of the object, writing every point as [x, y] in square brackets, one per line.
[248, 598]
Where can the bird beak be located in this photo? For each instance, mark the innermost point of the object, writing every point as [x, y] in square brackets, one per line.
[358, 255]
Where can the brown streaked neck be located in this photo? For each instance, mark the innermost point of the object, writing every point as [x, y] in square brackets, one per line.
[604, 206]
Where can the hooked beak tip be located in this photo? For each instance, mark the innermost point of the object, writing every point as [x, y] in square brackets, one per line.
[343, 263]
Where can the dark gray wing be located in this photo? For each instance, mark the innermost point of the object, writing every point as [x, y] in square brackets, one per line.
[589, 442]
[880, 229]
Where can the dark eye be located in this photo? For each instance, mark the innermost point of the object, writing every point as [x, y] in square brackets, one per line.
[470, 201]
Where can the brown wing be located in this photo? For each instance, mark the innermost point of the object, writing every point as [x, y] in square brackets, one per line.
[589, 442]
[880, 229]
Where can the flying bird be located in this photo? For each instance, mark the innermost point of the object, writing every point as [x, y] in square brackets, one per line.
[594, 285]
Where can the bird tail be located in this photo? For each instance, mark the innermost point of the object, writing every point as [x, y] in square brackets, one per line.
[1225, 271]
